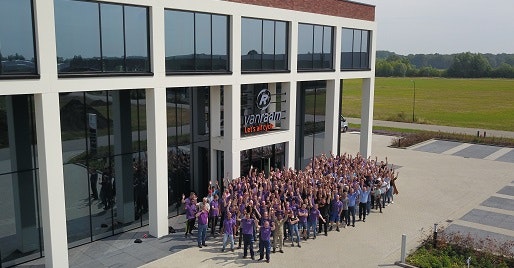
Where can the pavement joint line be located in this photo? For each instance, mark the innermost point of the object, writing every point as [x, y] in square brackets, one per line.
[457, 149]
[416, 146]
[496, 210]
[503, 196]
[498, 154]
[484, 227]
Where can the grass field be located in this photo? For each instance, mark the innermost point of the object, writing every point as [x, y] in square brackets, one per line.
[474, 103]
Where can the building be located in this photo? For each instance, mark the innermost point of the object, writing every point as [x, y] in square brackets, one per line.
[110, 110]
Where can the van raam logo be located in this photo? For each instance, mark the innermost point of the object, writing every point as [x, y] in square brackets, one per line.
[261, 121]
[263, 99]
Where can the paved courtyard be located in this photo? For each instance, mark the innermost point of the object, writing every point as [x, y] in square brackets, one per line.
[467, 192]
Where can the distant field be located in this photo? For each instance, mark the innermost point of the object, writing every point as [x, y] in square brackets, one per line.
[474, 103]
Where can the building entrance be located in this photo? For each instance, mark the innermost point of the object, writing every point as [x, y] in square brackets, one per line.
[263, 158]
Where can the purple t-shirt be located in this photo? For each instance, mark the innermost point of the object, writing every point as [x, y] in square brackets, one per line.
[265, 233]
[203, 218]
[190, 211]
[214, 208]
[336, 207]
[302, 218]
[313, 216]
[247, 225]
[228, 225]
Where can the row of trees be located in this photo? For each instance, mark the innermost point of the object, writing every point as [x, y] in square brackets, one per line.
[463, 65]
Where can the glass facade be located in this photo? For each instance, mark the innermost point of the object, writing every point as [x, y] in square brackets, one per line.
[263, 158]
[355, 49]
[20, 227]
[196, 42]
[17, 53]
[310, 121]
[315, 47]
[188, 142]
[261, 108]
[104, 163]
[97, 37]
[264, 45]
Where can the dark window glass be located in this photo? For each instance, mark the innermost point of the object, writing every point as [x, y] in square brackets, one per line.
[327, 47]
[364, 50]
[281, 45]
[305, 46]
[318, 47]
[179, 40]
[346, 48]
[136, 41]
[268, 44]
[16, 38]
[263, 45]
[98, 37]
[251, 44]
[196, 42]
[113, 51]
[203, 41]
[77, 29]
[219, 43]
[354, 49]
[314, 47]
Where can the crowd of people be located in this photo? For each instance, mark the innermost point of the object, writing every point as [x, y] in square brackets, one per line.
[288, 204]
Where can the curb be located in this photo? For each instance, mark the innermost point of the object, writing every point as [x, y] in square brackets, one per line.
[402, 264]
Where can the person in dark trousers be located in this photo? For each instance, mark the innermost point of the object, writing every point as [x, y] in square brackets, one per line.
[248, 224]
[214, 214]
[264, 241]
[93, 181]
[323, 209]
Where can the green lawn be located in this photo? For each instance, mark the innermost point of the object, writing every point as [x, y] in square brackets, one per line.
[475, 103]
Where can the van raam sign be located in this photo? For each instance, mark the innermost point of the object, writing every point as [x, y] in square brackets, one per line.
[262, 121]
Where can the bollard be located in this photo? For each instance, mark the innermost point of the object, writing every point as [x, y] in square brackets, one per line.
[478, 134]
[484, 134]
[404, 244]
[435, 235]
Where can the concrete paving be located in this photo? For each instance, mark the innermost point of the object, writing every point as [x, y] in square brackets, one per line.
[433, 188]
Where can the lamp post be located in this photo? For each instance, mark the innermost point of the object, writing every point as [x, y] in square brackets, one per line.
[413, 100]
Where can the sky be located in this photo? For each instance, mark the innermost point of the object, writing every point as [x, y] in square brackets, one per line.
[444, 26]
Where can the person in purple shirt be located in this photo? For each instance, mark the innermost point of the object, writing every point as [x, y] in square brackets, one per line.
[203, 220]
[302, 223]
[335, 212]
[214, 214]
[264, 243]
[228, 231]
[247, 225]
[190, 216]
[312, 221]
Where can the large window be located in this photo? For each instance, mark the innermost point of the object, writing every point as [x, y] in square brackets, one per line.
[355, 49]
[20, 224]
[104, 163]
[196, 42]
[315, 47]
[263, 45]
[17, 54]
[310, 121]
[101, 38]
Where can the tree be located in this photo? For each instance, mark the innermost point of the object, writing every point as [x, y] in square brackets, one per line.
[469, 65]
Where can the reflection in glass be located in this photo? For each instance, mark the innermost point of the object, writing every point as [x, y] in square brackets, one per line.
[203, 41]
[305, 46]
[251, 44]
[219, 43]
[19, 228]
[268, 44]
[346, 48]
[16, 38]
[281, 45]
[196, 41]
[318, 47]
[113, 51]
[78, 36]
[327, 47]
[136, 39]
[91, 38]
[354, 49]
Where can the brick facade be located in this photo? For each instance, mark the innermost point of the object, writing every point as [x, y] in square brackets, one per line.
[339, 8]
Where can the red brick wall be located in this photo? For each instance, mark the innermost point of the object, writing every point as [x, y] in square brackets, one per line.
[340, 8]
